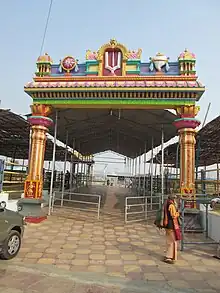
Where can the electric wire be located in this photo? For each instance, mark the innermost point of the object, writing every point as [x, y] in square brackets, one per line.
[46, 26]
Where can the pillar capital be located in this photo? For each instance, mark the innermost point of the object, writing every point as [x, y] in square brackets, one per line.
[40, 121]
[185, 111]
[41, 110]
[182, 123]
[186, 117]
[39, 115]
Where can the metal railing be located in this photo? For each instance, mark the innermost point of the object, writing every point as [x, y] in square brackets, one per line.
[142, 207]
[139, 202]
[201, 199]
[61, 197]
[154, 203]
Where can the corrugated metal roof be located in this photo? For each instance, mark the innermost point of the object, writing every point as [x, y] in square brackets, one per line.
[207, 146]
[123, 131]
[14, 138]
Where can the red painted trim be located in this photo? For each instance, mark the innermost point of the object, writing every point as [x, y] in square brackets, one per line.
[115, 78]
[182, 123]
[35, 220]
[40, 120]
[189, 205]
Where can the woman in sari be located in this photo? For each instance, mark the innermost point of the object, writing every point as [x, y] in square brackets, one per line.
[172, 228]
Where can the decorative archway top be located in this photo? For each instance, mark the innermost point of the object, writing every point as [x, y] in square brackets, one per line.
[128, 62]
[114, 68]
[113, 44]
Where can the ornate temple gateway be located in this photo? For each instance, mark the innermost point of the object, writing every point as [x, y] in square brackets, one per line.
[113, 78]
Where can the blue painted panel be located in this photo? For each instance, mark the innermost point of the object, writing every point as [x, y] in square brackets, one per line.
[173, 70]
[144, 70]
[81, 72]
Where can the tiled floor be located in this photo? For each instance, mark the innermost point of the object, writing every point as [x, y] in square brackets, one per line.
[78, 242]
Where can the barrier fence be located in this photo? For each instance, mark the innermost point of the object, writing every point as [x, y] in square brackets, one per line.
[140, 208]
[201, 200]
[208, 180]
[138, 203]
[67, 200]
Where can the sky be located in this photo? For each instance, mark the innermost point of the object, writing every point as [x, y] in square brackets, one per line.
[75, 26]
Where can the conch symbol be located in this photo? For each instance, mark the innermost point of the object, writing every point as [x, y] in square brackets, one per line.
[159, 61]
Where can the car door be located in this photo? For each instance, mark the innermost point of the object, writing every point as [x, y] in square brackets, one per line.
[4, 225]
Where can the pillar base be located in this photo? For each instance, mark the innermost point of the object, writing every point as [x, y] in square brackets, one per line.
[31, 210]
[192, 220]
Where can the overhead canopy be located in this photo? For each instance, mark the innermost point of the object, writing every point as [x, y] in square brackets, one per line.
[123, 131]
[207, 146]
[209, 137]
[14, 138]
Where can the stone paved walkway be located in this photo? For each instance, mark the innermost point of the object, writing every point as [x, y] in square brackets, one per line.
[49, 279]
[77, 243]
[74, 247]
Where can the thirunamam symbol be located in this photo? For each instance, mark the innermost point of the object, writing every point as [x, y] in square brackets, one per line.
[114, 64]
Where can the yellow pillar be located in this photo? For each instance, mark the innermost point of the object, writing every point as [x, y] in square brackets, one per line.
[187, 159]
[34, 182]
[186, 125]
[30, 206]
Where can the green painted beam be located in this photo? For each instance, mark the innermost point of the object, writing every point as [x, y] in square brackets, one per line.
[133, 71]
[133, 62]
[150, 102]
[92, 62]
[92, 72]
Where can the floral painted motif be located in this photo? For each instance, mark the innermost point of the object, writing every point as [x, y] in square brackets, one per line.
[91, 55]
[68, 63]
[134, 54]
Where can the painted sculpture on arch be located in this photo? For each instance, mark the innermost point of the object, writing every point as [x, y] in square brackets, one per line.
[91, 55]
[113, 77]
[158, 62]
[67, 64]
